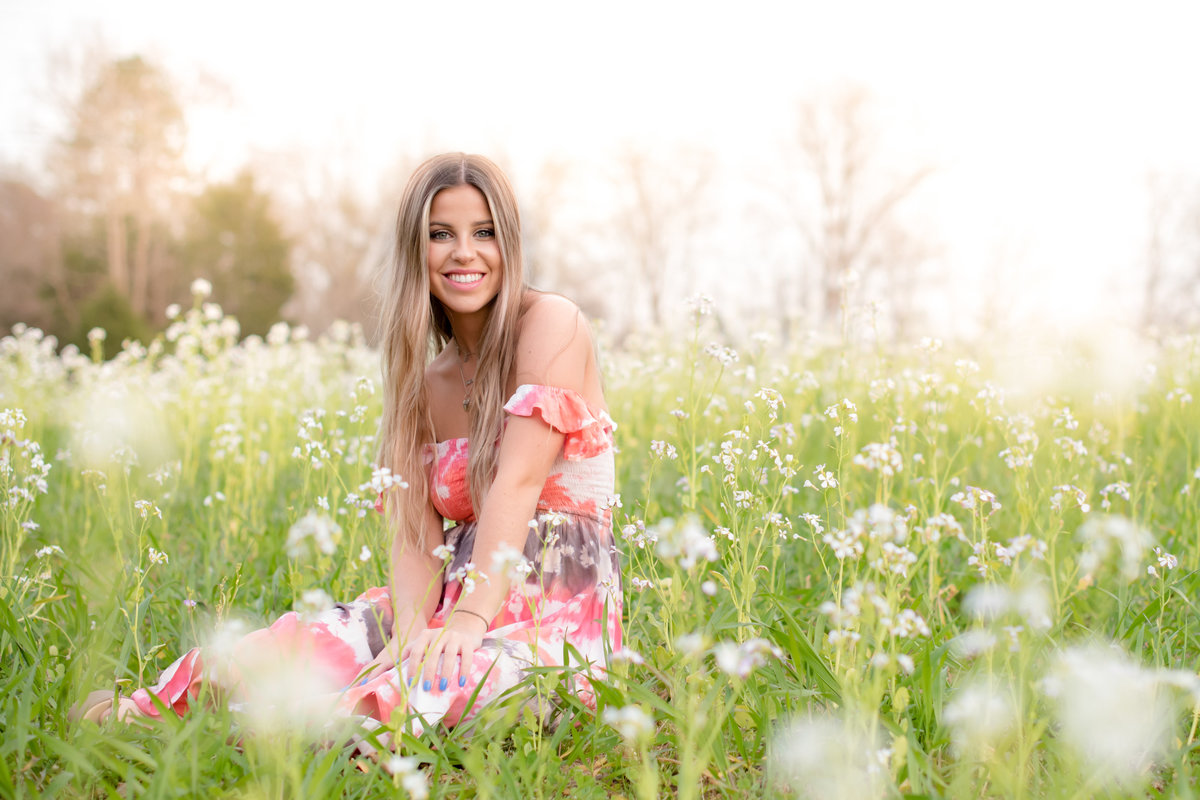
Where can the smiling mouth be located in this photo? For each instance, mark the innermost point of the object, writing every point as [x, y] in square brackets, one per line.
[465, 277]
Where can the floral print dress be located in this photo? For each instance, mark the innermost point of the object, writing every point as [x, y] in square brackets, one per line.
[567, 611]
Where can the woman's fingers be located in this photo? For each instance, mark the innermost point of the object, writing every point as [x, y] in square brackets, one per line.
[438, 659]
[465, 660]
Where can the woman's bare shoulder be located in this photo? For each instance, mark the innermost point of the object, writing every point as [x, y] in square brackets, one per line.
[546, 314]
[554, 345]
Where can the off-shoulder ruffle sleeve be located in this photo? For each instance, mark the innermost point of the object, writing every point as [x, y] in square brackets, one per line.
[588, 431]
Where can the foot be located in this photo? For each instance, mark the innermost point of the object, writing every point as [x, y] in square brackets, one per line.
[97, 707]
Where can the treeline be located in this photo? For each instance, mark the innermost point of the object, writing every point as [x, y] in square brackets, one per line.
[119, 229]
[123, 228]
[819, 232]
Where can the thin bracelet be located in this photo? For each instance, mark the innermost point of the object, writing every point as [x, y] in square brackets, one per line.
[486, 624]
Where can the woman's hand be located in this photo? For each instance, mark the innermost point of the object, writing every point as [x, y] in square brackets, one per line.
[441, 657]
[387, 658]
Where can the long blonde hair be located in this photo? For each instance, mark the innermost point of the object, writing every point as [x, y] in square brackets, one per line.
[415, 328]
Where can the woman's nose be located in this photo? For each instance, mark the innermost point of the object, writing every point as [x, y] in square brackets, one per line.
[464, 251]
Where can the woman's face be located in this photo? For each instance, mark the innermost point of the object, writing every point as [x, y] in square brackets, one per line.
[465, 265]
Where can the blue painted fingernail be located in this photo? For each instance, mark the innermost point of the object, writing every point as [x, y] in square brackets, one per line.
[442, 685]
[412, 681]
[363, 682]
[462, 680]
[427, 685]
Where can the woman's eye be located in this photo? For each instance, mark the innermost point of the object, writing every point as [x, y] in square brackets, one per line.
[439, 235]
[485, 233]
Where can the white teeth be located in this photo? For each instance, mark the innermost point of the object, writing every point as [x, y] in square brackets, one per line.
[459, 277]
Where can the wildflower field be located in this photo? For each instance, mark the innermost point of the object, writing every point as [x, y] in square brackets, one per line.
[849, 572]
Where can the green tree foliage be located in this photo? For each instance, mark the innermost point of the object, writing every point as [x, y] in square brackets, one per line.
[234, 241]
[109, 309]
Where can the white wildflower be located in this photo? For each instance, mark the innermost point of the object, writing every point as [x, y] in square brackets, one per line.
[690, 645]
[908, 624]
[738, 661]
[627, 655]
[508, 560]
[1165, 559]
[313, 530]
[1063, 491]
[685, 541]
[412, 780]
[201, 289]
[663, 450]
[974, 498]
[312, 603]
[632, 722]
[1114, 537]
[881, 457]
[972, 643]
[827, 479]
[147, 509]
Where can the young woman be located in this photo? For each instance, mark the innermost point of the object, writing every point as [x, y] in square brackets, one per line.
[494, 415]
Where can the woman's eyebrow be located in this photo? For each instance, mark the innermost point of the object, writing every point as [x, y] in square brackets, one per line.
[447, 225]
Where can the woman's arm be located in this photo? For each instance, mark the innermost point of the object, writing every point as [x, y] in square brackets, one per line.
[416, 577]
[553, 349]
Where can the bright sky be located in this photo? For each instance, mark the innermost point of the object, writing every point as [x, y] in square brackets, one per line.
[1042, 118]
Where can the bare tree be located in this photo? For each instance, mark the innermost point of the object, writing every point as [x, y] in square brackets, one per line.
[545, 249]
[122, 160]
[341, 234]
[564, 246]
[846, 204]
[31, 259]
[1171, 291]
[662, 210]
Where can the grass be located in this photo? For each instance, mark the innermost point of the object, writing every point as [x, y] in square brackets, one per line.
[849, 572]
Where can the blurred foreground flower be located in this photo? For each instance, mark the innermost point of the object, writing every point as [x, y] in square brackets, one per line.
[738, 661]
[825, 758]
[991, 601]
[979, 716]
[313, 602]
[280, 690]
[632, 722]
[508, 560]
[313, 530]
[1116, 714]
[405, 769]
[685, 540]
[1117, 538]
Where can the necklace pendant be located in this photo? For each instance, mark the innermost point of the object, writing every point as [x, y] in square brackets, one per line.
[466, 402]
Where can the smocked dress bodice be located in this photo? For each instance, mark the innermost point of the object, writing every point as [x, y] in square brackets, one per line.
[581, 478]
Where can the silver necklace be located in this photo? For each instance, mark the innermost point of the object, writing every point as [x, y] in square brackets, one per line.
[464, 357]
